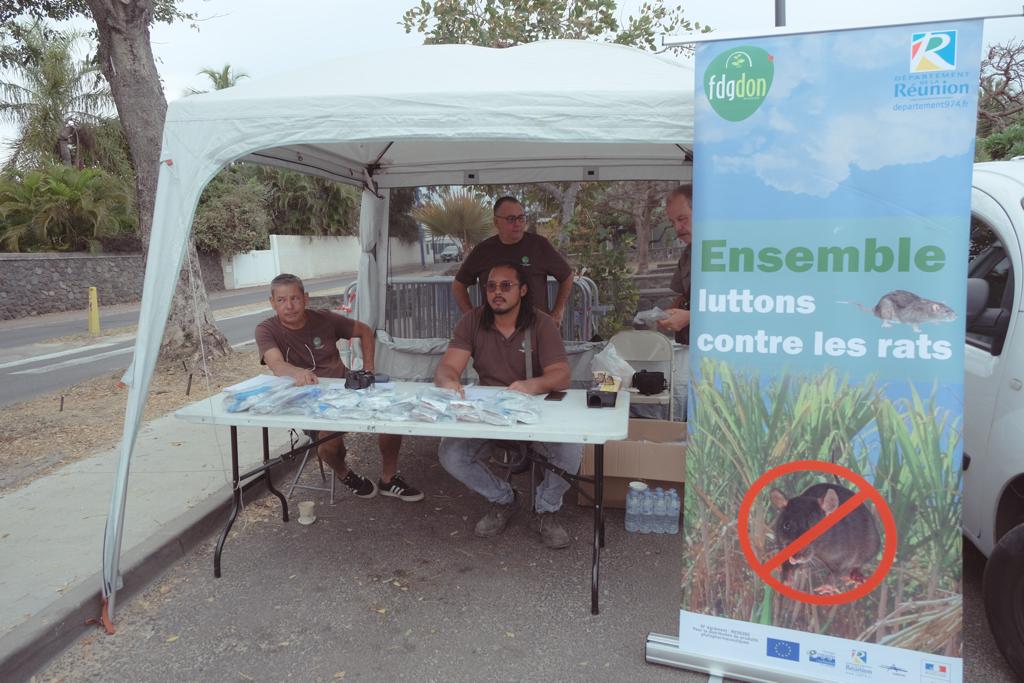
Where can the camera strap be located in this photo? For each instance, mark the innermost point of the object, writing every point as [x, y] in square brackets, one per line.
[528, 352]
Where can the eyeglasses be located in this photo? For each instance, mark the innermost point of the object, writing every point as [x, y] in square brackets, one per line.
[521, 218]
[504, 285]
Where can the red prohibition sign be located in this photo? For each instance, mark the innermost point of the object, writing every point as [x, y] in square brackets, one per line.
[866, 491]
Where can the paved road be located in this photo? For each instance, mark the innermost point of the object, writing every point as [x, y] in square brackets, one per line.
[380, 590]
[29, 368]
[26, 331]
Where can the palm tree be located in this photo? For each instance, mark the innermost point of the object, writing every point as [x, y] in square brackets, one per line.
[63, 208]
[219, 80]
[59, 103]
[456, 213]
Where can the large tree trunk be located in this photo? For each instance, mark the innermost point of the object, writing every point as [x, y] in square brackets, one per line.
[126, 59]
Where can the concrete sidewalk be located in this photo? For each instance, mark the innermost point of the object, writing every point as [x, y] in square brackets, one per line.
[51, 531]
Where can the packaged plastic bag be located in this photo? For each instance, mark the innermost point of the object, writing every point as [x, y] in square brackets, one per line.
[275, 401]
[650, 318]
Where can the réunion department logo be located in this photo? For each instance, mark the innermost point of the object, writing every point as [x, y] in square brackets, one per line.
[737, 81]
[933, 51]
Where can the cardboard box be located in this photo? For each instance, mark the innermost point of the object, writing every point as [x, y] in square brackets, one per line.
[654, 452]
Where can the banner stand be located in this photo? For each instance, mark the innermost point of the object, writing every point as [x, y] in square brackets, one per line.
[665, 650]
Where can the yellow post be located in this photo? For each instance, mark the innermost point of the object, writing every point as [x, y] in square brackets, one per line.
[94, 312]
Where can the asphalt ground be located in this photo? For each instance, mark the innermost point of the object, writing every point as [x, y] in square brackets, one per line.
[382, 590]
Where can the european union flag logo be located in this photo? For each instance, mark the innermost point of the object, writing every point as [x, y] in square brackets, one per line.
[784, 649]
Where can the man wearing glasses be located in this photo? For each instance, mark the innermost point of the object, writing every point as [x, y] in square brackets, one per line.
[302, 343]
[496, 336]
[513, 244]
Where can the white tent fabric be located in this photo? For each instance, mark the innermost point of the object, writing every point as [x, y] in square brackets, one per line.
[430, 115]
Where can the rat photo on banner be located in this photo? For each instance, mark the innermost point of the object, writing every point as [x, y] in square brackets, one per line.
[832, 180]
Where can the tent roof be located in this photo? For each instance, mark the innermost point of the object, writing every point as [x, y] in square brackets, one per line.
[457, 114]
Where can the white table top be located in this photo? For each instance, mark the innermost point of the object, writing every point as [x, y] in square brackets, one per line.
[565, 421]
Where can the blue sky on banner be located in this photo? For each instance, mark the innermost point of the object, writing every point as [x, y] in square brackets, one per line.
[832, 118]
[827, 162]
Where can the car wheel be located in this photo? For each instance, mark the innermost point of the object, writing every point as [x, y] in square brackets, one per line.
[1003, 586]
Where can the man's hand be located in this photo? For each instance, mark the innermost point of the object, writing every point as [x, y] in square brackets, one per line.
[303, 377]
[557, 316]
[454, 385]
[675, 320]
[525, 386]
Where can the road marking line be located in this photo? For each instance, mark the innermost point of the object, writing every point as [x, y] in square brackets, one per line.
[58, 354]
[73, 362]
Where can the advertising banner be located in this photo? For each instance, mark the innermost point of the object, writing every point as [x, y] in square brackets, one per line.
[832, 178]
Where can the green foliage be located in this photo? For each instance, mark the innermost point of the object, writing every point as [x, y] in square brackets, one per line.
[600, 254]
[307, 205]
[14, 51]
[220, 79]
[1003, 145]
[401, 224]
[233, 215]
[457, 213]
[504, 23]
[62, 208]
[60, 104]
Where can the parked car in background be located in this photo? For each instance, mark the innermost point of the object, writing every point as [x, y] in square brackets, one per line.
[993, 430]
[451, 253]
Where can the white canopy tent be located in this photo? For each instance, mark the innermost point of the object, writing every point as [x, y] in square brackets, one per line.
[437, 115]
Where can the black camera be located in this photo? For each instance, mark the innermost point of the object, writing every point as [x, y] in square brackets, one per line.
[359, 379]
[649, 383]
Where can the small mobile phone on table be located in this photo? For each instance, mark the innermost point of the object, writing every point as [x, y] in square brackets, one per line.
[555, 396]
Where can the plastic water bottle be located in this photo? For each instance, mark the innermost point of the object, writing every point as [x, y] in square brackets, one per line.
[674, 505]
[633, 500]
[647, 512]
[660, 521]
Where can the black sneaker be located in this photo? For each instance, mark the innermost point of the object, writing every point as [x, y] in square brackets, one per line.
[361, 486]
[397, 488]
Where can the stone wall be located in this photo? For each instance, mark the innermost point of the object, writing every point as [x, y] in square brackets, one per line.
[33, 284]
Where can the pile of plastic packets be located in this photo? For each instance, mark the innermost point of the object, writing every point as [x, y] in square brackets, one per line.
[279, 396]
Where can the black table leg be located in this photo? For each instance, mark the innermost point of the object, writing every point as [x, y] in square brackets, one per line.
[266, 475]
[236, 502]
[595, 568]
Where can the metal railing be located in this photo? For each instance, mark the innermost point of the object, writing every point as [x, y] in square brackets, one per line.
[424, 307]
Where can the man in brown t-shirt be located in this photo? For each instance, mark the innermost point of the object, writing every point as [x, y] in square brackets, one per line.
[303, 344]
[513, 244]
[679, 208]
[494, 336]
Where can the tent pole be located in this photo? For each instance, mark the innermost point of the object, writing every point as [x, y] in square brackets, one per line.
[780, 12]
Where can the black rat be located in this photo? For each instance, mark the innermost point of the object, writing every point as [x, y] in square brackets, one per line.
[846, 547]
[902, 306]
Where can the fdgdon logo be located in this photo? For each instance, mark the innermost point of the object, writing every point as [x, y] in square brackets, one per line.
[737, 81]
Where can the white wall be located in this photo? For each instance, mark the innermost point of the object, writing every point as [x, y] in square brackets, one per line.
[249, 269]
[307, 257]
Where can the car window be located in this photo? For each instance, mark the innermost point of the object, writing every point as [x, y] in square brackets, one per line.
[989, 260]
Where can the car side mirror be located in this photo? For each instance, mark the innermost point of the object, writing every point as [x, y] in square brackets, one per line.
[977, 298]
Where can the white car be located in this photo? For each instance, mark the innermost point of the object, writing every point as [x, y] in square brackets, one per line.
[450, 253]
[993, 503]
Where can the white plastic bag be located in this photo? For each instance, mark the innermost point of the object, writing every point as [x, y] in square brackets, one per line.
[611, 362]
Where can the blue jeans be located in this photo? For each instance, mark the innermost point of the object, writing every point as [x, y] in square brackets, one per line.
[463, 459]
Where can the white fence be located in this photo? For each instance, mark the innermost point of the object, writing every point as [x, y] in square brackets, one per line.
[307, 257]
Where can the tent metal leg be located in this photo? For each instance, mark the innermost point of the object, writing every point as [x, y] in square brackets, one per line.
[236, 496]
[595, 567]
[266, 475]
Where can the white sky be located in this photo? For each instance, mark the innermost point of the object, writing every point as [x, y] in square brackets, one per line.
[262, 37]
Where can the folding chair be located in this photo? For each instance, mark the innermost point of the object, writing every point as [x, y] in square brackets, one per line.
[648, 348]
[310, 450]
